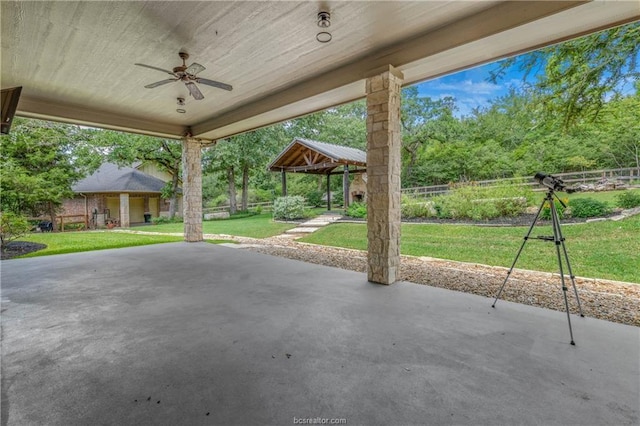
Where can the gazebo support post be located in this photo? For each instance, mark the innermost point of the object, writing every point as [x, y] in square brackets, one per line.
[192, 189]
[284, 183]
[345, 187]
[328, 191]
[383, 174]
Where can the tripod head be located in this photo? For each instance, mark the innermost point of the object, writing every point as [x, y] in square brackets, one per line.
[550, 181]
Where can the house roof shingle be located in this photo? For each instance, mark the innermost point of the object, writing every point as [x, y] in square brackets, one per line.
[112, 178]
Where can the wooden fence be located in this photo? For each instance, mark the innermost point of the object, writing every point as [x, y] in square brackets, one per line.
[265, 207]
[628, 175]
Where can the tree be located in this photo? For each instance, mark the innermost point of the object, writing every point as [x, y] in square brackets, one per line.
[423, 120]
[125, 149]
[579, 76]
[12, 227]
[245, 156]
[618, 131]
[40, 162]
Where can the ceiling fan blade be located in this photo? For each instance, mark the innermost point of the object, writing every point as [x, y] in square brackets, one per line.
[214, 84]
[193, 89]
[160, 83]
[155, 68]
[194, 69]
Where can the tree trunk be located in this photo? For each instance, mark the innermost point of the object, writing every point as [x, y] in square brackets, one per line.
[173, 201]
[245, 187]
[413, 154]
[51, 210]
[231, 178]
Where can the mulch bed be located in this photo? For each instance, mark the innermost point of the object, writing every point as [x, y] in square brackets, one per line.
[20, 248]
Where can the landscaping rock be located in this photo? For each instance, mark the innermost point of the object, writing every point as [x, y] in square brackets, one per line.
[218, 215]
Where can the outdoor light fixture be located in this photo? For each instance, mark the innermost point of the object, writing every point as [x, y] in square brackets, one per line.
[324, 21]
[181, 103]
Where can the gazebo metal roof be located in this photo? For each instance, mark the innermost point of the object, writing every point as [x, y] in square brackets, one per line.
[308, 156]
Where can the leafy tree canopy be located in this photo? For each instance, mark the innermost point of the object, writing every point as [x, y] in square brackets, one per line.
[576, 78]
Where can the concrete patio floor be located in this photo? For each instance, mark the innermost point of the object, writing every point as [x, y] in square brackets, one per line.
[189, 334]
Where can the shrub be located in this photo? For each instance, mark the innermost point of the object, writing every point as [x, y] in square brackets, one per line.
[288, 208]
[220, 200]
[338, 198]
[12, 227]
[483, 202]
[314, 198]
[165, 219]
[588, 207]
[546, 209]
[358, 210]
[241, 214]
[411, 207]
[628, 199]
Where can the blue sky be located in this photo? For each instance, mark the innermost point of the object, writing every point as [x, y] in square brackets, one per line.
[471, 88]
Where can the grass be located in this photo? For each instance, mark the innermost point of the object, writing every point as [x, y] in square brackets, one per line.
[257, 226]
[599, 250]
[73, 242]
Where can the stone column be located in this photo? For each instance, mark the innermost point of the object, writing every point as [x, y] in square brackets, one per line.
[125, 222]
[384, 141]
[192, 189]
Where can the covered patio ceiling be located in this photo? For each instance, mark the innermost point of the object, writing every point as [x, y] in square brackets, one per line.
[75, 60]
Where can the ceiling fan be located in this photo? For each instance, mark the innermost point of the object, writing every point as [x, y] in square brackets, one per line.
[188, 75]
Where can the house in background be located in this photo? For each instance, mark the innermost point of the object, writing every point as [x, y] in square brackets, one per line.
[120, 195]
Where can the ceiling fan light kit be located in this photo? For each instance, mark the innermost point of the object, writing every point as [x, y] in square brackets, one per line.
[188, 75]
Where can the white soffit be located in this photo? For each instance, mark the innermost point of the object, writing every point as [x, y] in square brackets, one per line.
[75, 60]
[574, 22]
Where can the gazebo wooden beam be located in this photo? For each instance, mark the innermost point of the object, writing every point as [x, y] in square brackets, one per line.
[311, 167]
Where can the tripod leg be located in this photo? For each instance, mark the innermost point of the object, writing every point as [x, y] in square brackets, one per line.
[526, 237]
[557, 241]
[573, 278]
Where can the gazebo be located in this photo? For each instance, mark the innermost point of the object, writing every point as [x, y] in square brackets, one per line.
[313, 157]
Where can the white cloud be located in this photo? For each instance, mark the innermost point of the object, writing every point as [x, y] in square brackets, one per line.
[464, 86]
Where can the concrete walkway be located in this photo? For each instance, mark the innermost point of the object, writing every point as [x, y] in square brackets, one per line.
[190, 334]
[312, 225]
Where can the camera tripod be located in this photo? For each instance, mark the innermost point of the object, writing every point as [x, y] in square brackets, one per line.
[558, 239]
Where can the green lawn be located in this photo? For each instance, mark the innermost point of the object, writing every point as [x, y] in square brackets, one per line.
[72, 242]
[258, 226]
[599, 250]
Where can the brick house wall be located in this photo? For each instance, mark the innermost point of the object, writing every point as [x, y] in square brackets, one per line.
[98, 202]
